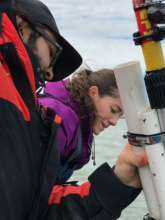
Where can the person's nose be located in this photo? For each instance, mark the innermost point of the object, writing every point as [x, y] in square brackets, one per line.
[49, 73]
[113, 120]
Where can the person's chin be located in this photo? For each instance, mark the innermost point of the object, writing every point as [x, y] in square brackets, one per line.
[96, 132]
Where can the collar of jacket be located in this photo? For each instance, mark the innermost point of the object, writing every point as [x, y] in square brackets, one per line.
[34, 61]
[11, 39]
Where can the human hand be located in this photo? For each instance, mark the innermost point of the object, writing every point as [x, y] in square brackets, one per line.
[126, 166]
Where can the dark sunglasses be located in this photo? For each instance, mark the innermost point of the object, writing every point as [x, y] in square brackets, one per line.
[59, 48]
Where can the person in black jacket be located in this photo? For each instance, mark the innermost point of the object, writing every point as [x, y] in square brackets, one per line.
[32, 51]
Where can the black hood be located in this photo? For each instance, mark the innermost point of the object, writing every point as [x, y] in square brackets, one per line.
[70, 59]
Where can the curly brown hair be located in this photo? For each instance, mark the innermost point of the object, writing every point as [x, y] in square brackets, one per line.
[103, 79]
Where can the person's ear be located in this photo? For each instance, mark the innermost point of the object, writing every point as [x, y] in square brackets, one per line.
[93, 92]
[24, 28]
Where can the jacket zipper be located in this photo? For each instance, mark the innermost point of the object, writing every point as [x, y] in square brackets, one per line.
[36, 195]
[32, 90]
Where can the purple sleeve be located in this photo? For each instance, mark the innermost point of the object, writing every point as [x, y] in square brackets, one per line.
[67, 137]
[68, 131]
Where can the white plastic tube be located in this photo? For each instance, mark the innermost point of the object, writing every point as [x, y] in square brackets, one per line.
[161, 116]
[136, 106]
[149, 124]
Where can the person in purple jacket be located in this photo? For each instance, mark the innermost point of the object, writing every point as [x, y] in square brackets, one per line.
[87, 104]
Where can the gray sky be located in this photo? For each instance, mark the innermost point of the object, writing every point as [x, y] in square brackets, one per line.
[100, 30]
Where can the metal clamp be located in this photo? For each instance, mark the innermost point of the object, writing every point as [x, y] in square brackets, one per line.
[158, 34]
[144, 3]
[147, 217]
[140, 140]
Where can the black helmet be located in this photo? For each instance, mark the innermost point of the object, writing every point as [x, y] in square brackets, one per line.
[70, 59]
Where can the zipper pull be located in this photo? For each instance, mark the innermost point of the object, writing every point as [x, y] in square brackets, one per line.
[93, 152]
[4, 69]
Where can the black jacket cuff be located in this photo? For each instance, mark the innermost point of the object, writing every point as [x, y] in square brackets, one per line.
[112, 194]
